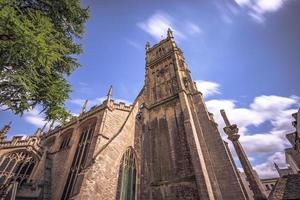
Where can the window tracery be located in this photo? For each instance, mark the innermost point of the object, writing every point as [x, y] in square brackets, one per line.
[16, 166]
[128, 176]
[79, 161]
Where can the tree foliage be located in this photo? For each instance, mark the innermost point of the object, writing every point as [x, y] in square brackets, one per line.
[37, 48]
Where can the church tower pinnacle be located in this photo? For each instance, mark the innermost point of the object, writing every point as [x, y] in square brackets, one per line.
[109, 94]
[147, 46]
[4, 131]
[108, 101]
[170, 33]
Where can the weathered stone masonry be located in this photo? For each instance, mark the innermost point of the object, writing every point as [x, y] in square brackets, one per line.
[172, 144]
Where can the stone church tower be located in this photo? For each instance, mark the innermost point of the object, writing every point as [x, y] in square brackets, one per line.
[165, 146]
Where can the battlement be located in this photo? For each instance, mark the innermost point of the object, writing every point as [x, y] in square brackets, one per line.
[112, 105]
[121, 106]
[168, 38]
[165, 48]
[19, 141]
[96, 108]
[157, 44]
[30, 143]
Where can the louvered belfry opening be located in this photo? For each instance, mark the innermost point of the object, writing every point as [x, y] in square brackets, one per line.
[128, 176]
[16, 166]
[78, 160]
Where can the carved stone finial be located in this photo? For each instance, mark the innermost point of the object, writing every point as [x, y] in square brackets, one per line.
[147, 46]
[170, 33]
[109, 94]
[108, 101]
[38, 132]
[4, 131]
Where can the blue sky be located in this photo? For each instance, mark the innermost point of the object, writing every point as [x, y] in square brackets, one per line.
[244, 55]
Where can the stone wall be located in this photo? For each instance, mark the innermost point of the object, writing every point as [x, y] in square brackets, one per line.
[101, 178]
[224, 169]
[167, 170]
[62, 159]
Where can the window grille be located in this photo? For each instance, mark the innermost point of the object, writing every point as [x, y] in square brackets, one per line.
[78, 161]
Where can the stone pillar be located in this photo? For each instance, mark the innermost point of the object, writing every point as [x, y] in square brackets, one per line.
[254, 182]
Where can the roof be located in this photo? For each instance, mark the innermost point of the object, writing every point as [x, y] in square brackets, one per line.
[287, 187]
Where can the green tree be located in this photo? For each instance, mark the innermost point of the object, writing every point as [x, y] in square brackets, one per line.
[37, 49]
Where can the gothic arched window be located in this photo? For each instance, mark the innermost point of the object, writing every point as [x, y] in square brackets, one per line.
[79, 160]
[16, 166]
[65, 142]
[127, 176]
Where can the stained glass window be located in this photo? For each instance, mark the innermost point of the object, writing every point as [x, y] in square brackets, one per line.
[128, 176]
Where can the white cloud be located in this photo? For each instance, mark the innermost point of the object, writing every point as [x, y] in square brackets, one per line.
[273, 103]
[273, 140]
[3, 107]
[259, 8]
[269, 5]
[243, 2]
[193, 28]
[262, 143]
[133, 44]
[158, 24]
[208, 88]
[256, 9]
[35, 118]
[259, 18]
[275, 110]
[267, 169]
[262, 6]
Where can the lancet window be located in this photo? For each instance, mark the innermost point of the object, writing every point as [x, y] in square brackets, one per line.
[128, 176]
[78, 161]
[65, 142]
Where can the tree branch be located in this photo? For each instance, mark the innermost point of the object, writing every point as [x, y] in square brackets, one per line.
[4, 37]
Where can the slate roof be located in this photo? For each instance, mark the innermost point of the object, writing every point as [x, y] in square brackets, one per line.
[287, 187]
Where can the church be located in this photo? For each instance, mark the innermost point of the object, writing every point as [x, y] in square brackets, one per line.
[165, 146]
